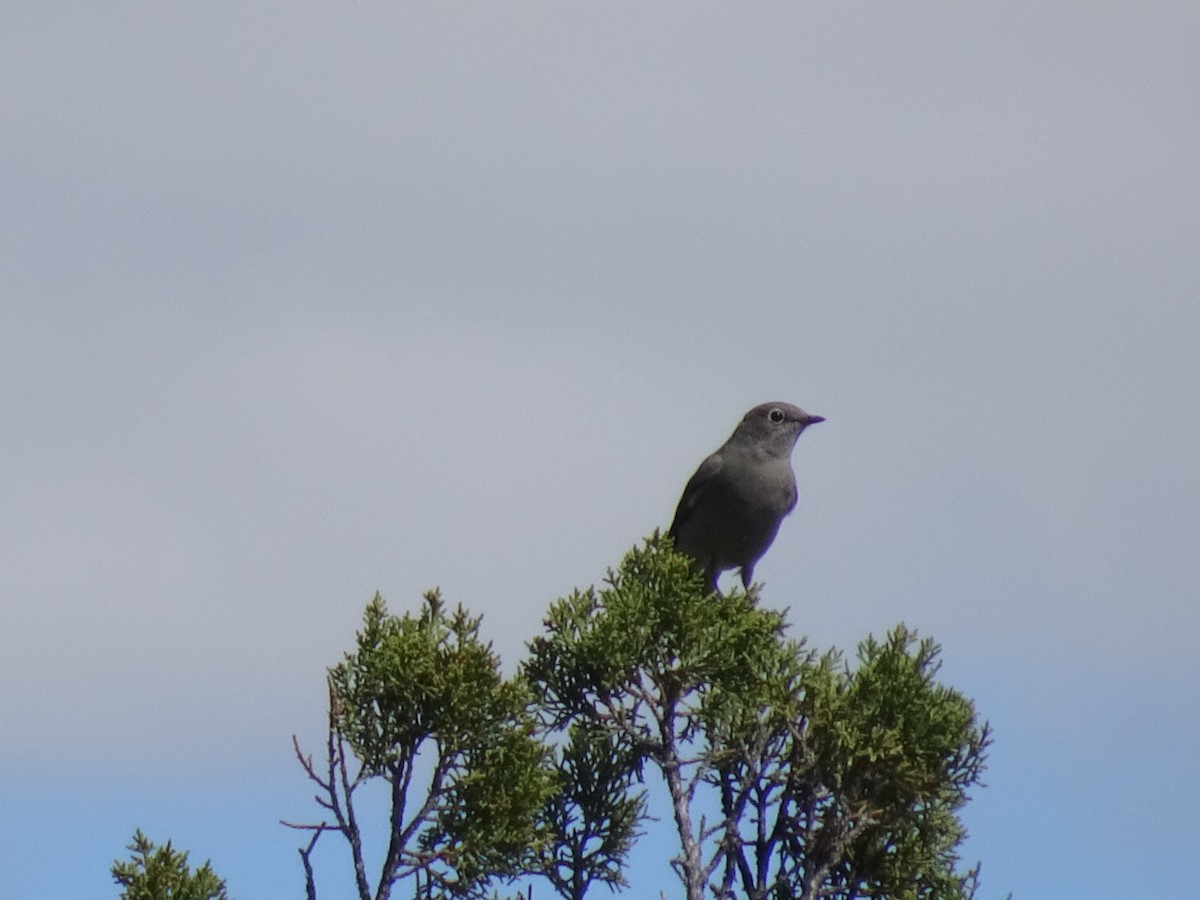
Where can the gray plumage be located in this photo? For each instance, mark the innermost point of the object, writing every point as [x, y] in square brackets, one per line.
[731, 508]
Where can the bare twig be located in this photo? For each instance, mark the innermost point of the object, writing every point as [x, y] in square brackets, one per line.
[310, 884]
[336, 797]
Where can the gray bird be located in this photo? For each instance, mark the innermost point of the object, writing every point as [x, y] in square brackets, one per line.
[731, 508]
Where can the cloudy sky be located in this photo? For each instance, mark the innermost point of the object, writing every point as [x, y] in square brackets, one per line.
[303, 301]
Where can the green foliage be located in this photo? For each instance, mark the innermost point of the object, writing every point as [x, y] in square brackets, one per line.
[788, 773]
[412, 679]
[830, 782]
[163, 874]
[592, 816]
[887, 757]
[662, 665]
[422, 702]
[654, 632]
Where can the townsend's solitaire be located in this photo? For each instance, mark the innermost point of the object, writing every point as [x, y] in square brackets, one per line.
[731, 508]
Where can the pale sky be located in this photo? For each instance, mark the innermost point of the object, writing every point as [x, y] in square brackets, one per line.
[303, 301]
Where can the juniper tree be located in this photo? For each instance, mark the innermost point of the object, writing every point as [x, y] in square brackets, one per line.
[421, 706]
[162, 873]
[593, 813]
[787, 774]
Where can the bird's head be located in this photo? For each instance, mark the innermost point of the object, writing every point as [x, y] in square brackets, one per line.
[776, 426]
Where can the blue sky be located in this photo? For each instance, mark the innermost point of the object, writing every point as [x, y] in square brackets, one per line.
[301, 302]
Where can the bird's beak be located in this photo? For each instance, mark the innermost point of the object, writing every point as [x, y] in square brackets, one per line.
[813, 420]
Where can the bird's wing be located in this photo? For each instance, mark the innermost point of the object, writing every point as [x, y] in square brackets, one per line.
[694, 490]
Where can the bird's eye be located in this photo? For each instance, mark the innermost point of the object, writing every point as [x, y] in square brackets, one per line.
[775, 415]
